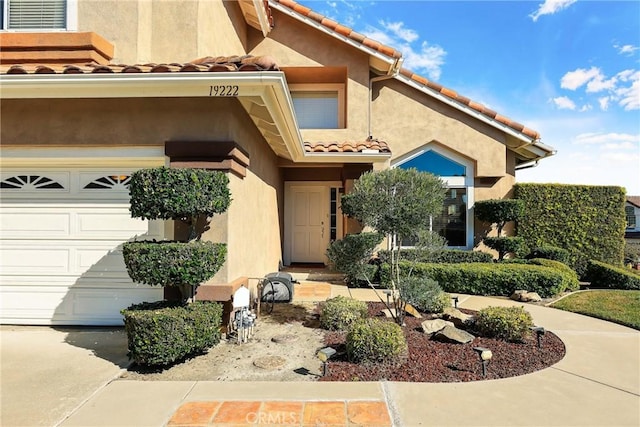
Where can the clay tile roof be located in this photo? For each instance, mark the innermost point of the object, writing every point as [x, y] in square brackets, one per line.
[340, 29]
[634, 200]
[391, 52]
[449, 93]
[347, 147]
[211, 64]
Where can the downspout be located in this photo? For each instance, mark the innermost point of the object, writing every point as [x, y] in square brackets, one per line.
[391, 74]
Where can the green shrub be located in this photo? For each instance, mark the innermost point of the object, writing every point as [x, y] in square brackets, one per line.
[173, 263]
[339, 313]
[376, 341]
[507, 245]
[424, 294]
[488, 279]
[174, 193]
[508, 323]
[551, 252]
[439, 256]
[351, 256]
[602, 275]
[498, 211]
[588, 221]
[570, 277]
[164, 332]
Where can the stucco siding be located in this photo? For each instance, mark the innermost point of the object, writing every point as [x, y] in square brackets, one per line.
[145, 31]
[408, 119]
[294, 44]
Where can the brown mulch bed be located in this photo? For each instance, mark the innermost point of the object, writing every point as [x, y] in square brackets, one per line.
[433, 361]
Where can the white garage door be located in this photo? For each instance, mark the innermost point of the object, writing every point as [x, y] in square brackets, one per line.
[61, 247]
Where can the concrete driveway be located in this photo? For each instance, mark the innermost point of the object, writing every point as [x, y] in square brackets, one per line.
[48, 372]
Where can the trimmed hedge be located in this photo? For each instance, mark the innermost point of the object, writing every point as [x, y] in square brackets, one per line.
[552, 253]
[488, 279]
[588, 221]
[602, 275]
[164, 332]
[173, 263]
[166, 193]
[452, 256]
[498, 211]
[506, 245]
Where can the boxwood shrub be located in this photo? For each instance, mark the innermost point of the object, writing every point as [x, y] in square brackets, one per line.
[376, 341]
[351, 255]
[488, 279]
[439, 256]
[507, 323]
[602, 275]
[339, 313]
[163, 332]
[173, 263]
[178, 193]
[424, 294]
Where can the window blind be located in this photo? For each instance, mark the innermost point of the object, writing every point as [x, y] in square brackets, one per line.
[316, 110]
[36, 14]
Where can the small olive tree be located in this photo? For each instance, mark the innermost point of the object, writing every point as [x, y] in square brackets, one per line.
[191, 196]
[399, 203]
[499, 212]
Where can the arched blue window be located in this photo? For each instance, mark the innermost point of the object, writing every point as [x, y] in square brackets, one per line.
[452, 223]
[437, 164]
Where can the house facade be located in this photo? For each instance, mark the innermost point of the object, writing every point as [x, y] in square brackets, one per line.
[632, 231]
[293, 106]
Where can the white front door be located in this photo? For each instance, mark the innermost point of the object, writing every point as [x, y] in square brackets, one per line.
[308, 230]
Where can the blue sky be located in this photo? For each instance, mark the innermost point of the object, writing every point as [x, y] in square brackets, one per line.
[569, 69]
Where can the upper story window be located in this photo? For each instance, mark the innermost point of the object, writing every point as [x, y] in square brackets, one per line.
[37, 15]
[318, 106]
[631, 216]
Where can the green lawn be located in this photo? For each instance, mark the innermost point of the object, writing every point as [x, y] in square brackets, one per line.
[621, 307]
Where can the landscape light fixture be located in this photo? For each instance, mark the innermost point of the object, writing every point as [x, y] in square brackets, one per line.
[324, 354]
[455, 301]
[539, 330]
[485, 356]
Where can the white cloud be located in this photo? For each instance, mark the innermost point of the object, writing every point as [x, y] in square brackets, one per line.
[574, 79]
[564, 103]
[626, 145]
[425, 58]
[549, 7]
[626, 49]
[592, 138]
[397, 29]
[586, 107]
[604, 103]
[623, 88]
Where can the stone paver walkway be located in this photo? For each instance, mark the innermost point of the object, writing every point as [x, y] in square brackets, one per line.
[282, 413]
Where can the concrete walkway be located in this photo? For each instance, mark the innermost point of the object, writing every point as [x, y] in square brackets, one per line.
[596, 384]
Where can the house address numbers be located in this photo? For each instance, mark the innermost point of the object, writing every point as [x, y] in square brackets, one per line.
[223, 90]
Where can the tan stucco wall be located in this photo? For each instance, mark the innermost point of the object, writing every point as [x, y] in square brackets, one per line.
[252, 225]
[144, 31]
[292, 43]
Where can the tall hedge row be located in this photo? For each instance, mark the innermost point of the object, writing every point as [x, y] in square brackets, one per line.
[588, 221]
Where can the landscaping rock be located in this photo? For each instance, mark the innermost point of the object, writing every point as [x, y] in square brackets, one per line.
[453, 335]
[525, 296]
[459, 319]
[435, 325]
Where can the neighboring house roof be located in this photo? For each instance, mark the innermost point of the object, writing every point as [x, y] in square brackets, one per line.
[471, 107]
[634, 200]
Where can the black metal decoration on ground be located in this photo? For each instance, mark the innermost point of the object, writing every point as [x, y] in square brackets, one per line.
[455, 301]
[539, 330]
[485, 356]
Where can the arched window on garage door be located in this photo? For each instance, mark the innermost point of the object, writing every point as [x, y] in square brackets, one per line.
[455, 223]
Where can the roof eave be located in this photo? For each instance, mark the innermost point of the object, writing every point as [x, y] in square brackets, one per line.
[264, 95]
